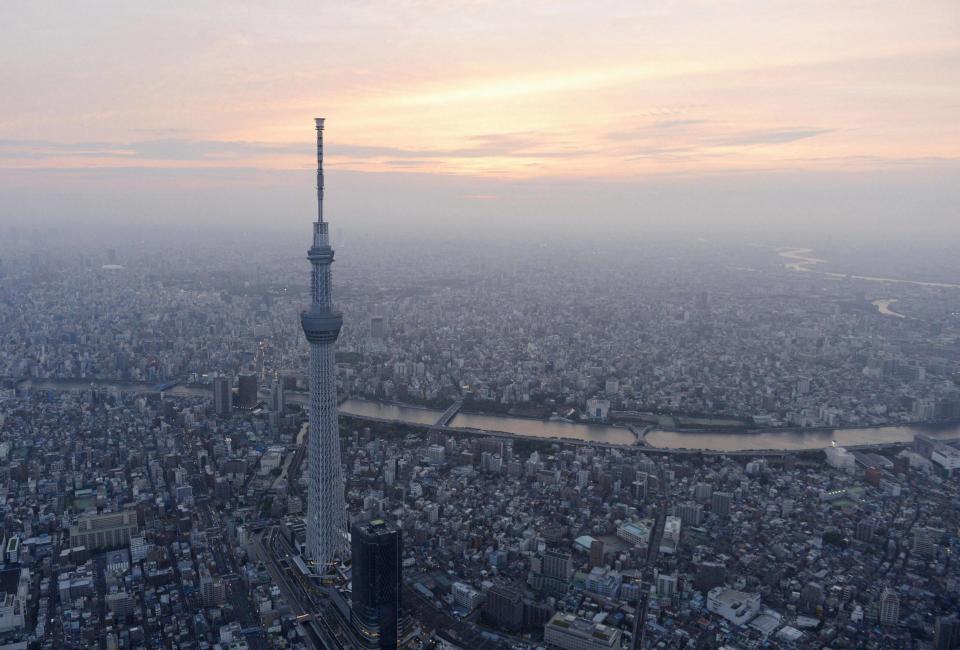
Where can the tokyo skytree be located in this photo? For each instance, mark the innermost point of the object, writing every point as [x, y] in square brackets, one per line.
[326, 512]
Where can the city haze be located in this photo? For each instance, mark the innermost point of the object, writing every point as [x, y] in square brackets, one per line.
[726, 116]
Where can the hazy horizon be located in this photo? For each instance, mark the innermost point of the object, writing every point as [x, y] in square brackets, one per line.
[748, 118]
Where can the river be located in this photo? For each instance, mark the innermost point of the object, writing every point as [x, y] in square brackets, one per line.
[660, 439]
[883, 306]
[386, 411]
[796, 439]
[545, 428]
[499, 423]
[801, 261]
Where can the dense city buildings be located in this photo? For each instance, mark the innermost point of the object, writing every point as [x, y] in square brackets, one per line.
[568, 632]
[214, 517]
[170, 445]
[823, 356]
[104, 531]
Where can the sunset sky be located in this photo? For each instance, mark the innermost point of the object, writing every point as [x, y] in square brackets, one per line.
[509, 92]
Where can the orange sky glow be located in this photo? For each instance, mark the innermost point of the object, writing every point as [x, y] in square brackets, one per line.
[515, 90]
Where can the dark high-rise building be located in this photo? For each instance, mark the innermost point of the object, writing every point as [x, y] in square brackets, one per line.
[596, 553]
[222, 396]
[278, 397]
[811, 597]
[378, 329]
[557, 568]
[720, 503]
[702, 492]
[376, 550]
[691, 514]
[710, 575]
[889, 607]
[866, 530]
[924, 544]
[503, 608]
[640, 486]
[247, 396]
[536, 613]
[946, 633]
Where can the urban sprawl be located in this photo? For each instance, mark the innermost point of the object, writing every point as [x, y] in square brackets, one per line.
[155, 474]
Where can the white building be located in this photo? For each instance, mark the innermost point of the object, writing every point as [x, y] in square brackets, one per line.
[104, 531]
[14, 589]
[841, 459]
[117, 562]
[583, 478]
[634, 532]
[889, 607]
[598, 409]
[671, 535]
[946, 457]
[436, 454]
[924, 409]
[465, 596]
[738, 607]
[271, 460]
[568, 632]
[604, 582]
[666, 585]
[630, 592]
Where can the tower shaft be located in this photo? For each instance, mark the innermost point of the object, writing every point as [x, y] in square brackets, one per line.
[326, 511]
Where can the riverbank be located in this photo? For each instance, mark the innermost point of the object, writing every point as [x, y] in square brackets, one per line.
[883, 307]
[746, 430]
[727, 440]
[799, 439]
[801, 261]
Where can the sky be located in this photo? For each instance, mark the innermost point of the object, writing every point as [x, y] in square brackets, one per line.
[642, 114]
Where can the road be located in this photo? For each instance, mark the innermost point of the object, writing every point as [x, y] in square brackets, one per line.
[291, 467]
[272, 549]
[228, 569]
[646, 583]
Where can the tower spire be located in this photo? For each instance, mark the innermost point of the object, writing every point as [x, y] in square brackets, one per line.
[319, 122]
[326, 509]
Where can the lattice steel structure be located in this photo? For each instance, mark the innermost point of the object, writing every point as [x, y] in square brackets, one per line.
[326, 511]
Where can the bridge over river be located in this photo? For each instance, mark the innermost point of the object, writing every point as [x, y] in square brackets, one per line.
[454, 420]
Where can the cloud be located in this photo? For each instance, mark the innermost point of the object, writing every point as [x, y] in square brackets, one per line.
[771, 136]
[520, 145]
[652, 129]
[672, 124]
[511, 145]
[10, 148]
[188, 149]
[407, 163]
[156, 149]
[672, 141]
